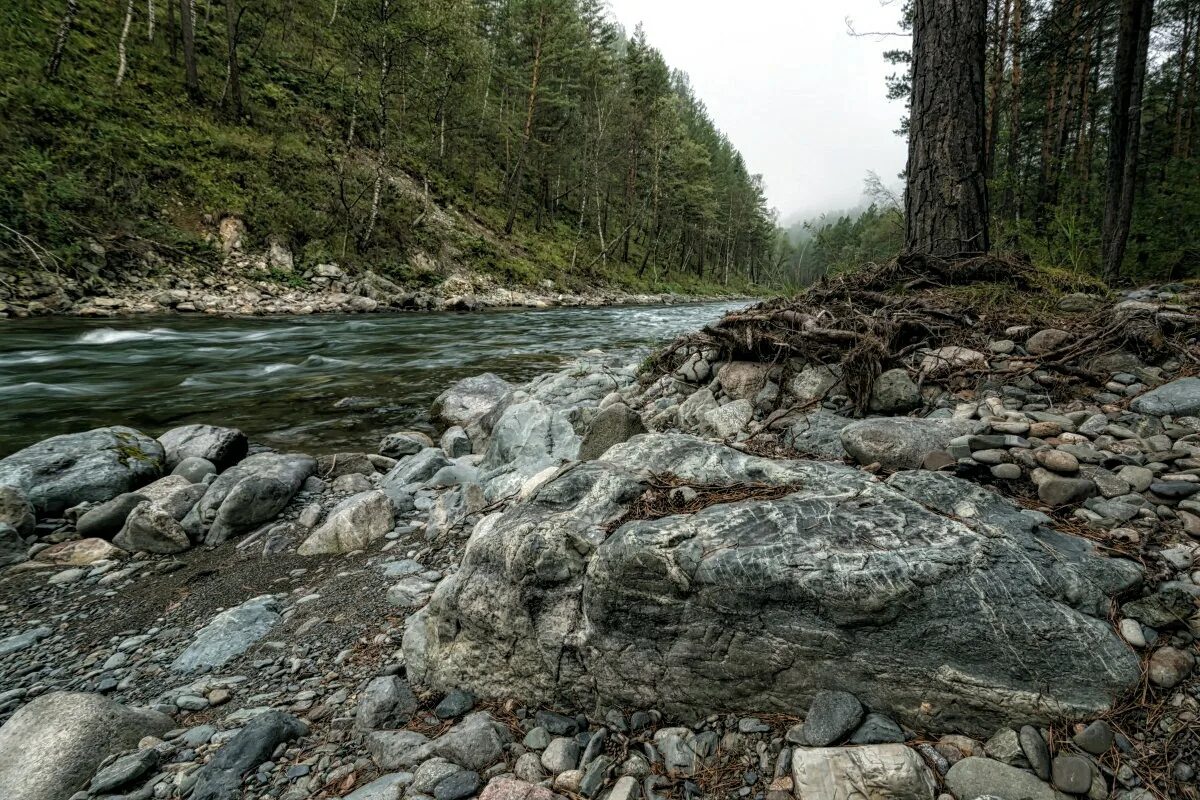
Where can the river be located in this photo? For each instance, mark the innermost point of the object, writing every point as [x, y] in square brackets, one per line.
[316, 384]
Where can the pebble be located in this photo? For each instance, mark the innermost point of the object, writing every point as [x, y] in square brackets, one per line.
[1169, 666]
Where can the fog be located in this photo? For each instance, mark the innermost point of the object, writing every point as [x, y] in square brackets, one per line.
[803, 100]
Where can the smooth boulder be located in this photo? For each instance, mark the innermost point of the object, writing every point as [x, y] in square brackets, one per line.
[901, 442]
[1179, 398]
[223, 447]
[90, 467]
[352, 525]
[247, 495]
[53, 745]
[150, 529]
[927, 597]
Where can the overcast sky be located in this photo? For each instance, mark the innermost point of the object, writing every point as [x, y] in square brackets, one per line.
[803, 100]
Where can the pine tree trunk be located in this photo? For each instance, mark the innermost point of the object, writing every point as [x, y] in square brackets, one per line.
[994, 83]
[187, 24]
[1014, 117]
[1129, 76]
[60, 40]
[946, 210]
[232, 71]
[518, 173]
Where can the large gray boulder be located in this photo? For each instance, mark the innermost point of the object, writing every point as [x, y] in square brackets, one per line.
[247, 495]
[1179, 398]
[224, 447]
[97, 465]
[527, 438]
[468, 401]
[150, 529]
[53, 745]
[927, 597]
[902, 442]
[352, 525]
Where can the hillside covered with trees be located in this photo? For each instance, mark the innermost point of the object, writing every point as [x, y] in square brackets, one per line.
[1057, 84]
[347, 129]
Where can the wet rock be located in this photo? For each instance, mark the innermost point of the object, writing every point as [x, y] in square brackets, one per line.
[247, 495]
[221, 778]
[91, 467]
[615, 424]
[901, 442]
[886, 771]
[229, 634]
[222, 447]
[353, 524]
[689, 577]
[52, 746]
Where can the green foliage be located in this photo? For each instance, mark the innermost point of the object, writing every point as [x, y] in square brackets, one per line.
[360, 122]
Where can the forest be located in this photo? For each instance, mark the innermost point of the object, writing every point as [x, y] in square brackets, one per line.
[344, 127]
[1050, 73]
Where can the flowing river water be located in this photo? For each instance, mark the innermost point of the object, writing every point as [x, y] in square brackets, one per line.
[316, 384]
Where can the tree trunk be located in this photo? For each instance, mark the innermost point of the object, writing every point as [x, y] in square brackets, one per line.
[121, 60]
[60, 41]
[1129, 76]
[518, 172]
[187, 23]
[150, 20]
[233, 73]
[946, 209]
[996, 79]
[1014, 116]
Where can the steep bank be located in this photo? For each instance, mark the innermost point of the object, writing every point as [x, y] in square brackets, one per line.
[731, 583]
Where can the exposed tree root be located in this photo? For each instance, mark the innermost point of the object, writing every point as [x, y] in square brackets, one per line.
[884, 317]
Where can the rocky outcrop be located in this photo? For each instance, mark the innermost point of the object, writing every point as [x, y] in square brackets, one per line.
[926, 596]
[223, 447]
[90, 467]
[527, 438]
[51, 747]
[247, 495]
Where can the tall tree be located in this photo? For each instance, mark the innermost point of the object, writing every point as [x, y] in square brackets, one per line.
[60, 40]
[233, 74]
[946, 204]
[187, 25]
[1129, 76]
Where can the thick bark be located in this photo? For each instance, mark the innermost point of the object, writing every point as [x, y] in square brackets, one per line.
[1129, 77]
[60, 40]
[187, 24]
[946, 208]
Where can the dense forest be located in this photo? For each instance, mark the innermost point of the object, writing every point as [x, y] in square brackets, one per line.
[1051, 70]
[345, 128]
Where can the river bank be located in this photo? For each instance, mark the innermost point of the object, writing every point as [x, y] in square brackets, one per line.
[269, 284]
[707, 575]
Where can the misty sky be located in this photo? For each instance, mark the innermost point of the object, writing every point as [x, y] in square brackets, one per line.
[803, 100]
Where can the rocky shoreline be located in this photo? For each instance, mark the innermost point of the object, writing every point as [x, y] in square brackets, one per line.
[713, 579]
[269, 284]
